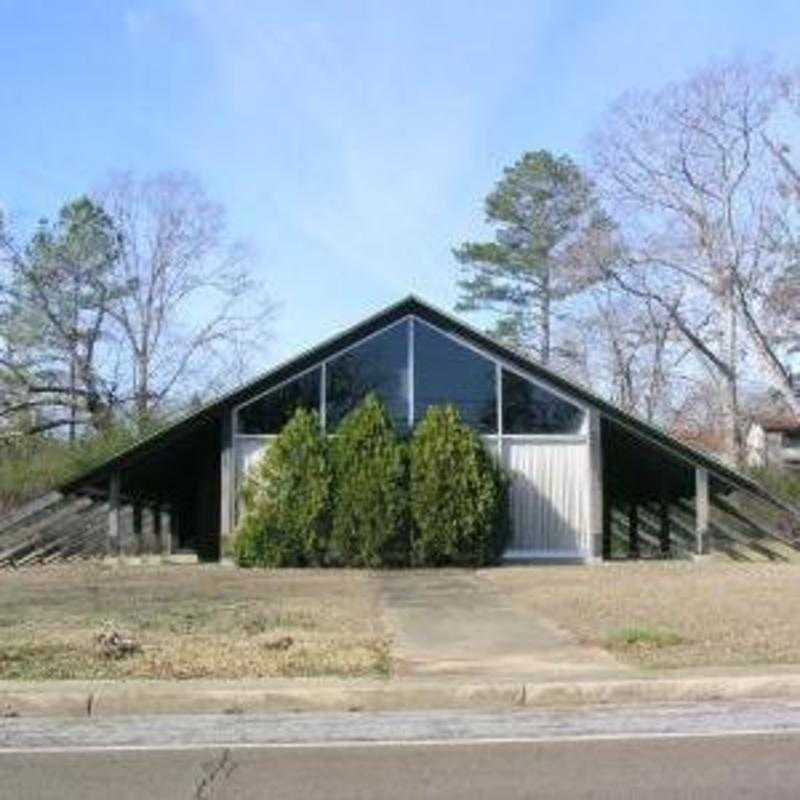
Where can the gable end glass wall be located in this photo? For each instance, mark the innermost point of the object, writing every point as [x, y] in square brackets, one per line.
[412, 365]
[445, 370]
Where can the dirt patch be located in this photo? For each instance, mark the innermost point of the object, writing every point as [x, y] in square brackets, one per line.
[188, 622]
[668, 615]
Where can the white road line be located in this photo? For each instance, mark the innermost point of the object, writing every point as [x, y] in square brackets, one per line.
[355, 743]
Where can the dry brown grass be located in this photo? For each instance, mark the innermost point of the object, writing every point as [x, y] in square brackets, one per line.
[669, 615]
[191, 622]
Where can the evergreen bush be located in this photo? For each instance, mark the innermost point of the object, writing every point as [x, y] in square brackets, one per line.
[285, 519]
[457, 493]
[370, 497]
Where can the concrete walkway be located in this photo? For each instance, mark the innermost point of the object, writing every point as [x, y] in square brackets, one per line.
[452, 623]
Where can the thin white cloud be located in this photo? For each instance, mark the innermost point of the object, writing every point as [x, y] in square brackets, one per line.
[383, 113]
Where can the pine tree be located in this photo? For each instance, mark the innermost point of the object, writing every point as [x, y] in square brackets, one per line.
[540, 209]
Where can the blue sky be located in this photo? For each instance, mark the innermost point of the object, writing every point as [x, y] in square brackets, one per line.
[352, 143]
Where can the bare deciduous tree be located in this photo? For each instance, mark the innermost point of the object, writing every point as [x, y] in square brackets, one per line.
[132, 302]
[642, 359]
[688, 170]
[192, 305]
[782, 295]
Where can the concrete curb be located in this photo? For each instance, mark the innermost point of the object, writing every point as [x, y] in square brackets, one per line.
[109, 698]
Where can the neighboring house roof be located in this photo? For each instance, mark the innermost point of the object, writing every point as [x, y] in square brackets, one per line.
[412, 305]
[778, 423]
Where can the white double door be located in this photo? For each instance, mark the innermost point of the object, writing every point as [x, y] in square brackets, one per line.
[549, 497]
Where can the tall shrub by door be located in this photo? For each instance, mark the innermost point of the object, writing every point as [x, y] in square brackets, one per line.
[458, 494]
[285, 518]
[370, 498]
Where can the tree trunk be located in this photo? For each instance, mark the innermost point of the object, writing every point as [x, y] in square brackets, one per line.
[72, 400]
[546, 300]
[729, 383]
[143, 387]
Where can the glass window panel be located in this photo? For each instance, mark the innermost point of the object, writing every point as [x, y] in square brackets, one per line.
[378, 364]
[529, 408]
[268, 414]
[447, 372]
[791, 439]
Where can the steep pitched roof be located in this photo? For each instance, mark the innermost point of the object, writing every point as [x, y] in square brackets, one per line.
[413, 305]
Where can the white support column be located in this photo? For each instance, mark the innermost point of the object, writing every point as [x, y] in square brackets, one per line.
[226, 479]
[113, 514]
[702, 506]
[595, 486]
[165, 532]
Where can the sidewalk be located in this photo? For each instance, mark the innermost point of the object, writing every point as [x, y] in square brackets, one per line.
[453, 624]
[109, 698]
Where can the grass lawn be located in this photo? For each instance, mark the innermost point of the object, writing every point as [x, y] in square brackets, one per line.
[190, 622]
[669, 614]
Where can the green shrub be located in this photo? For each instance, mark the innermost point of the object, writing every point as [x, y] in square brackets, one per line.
[458, 494]
[784, 483]
[285, 519]
[643, 637]
[370, 505]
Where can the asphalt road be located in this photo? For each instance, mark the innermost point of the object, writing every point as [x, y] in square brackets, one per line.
[709, 751]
